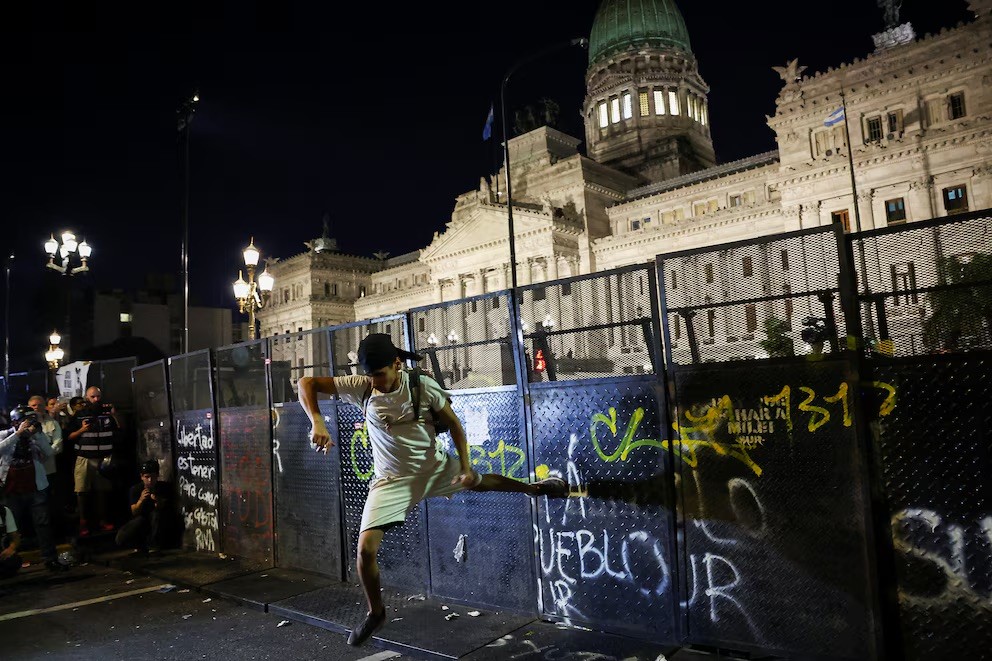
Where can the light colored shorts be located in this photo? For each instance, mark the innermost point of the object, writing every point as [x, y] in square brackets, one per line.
[87, 476]
[391, 498]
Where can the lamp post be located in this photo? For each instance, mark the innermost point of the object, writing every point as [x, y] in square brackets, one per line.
[432, 342]
[453, 339]
[584, 43]
[6, 323]
[185, 117]
[66, 250]
[253, 294]
[546, 327]
[62, 253]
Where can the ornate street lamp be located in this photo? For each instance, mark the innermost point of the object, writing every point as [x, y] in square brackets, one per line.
[55, 354]
[252, 294]
[65, 250]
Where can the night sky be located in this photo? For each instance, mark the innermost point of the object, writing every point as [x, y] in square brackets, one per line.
[376, 118]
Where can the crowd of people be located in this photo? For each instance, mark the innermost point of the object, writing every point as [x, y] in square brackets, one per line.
[61, 464]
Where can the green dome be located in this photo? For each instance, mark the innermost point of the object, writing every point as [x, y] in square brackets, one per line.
[624, 24]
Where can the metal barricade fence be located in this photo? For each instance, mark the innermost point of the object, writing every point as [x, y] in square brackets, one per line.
[468, 345]
[928, 285]
[306, 485]
[244, 432]
[772, 512]
[929, 288]
[771, 297]
[197, 474]
[152, 419]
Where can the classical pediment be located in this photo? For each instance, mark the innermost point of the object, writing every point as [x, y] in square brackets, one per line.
[486, 227]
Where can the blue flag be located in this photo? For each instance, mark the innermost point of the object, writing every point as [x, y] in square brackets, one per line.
[487, 130]
[836, 117]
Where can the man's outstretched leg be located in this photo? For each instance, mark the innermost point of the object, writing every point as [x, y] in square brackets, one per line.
[368, 572]
[552, 487]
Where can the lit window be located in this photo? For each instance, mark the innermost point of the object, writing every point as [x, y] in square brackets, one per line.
[628, 111]
[955, 199]
[735, 200]
[659, 102]
[614, 110]
[895, 211]
[125, 317]
[604, 118]
[673, 103]
[935, 111]
[642, 102]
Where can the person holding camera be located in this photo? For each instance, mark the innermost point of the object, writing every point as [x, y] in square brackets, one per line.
[23, 450]
[153, 519]
[93, 431]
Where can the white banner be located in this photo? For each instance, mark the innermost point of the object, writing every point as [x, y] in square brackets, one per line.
[72, 378]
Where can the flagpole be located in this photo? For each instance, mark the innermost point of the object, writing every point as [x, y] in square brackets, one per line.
[857, 221]
[506, 148]
[850, 162]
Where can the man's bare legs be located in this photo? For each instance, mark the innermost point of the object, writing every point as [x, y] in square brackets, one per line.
[368, 568]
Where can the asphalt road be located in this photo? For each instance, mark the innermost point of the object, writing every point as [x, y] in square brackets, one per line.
[94, 612]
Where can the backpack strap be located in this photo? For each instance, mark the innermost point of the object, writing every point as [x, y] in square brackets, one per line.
[365, 404]
[415, 393]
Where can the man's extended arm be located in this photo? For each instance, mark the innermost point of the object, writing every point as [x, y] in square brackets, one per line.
[310, 386]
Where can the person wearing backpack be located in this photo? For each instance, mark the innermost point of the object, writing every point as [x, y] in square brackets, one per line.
[410, 464]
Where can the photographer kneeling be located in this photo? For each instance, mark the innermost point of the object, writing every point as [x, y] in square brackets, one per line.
[153, 522]
[23, 449]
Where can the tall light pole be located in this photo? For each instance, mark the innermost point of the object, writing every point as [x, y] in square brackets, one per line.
[61, 254]
[584, 43]
[185, 117]
[253, 294]
[6, 324]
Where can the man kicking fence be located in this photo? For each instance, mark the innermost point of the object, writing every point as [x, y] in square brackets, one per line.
[410, 464]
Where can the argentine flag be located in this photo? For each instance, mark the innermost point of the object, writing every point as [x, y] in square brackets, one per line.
[836, 117]
[487, 130]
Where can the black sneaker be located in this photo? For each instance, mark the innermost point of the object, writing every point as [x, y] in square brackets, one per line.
[553, 487]
[368, 627]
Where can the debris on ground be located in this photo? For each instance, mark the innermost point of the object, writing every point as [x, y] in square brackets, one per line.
[167, 588]
[416, 597]
[284, 623]
[474, 613]
[451, 616]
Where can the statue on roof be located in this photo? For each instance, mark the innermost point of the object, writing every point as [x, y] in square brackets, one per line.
[890, 12]
[325, 242]
[791, 73]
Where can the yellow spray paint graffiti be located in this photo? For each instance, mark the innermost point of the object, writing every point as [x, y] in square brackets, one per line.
[627, 444]
[707, 425]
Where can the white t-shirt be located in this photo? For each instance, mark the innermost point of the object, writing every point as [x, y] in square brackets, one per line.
[400, 444]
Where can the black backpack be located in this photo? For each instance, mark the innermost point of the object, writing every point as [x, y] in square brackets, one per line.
[415, 372]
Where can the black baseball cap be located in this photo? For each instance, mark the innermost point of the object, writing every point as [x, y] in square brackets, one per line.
[149, 467]
[377, 351]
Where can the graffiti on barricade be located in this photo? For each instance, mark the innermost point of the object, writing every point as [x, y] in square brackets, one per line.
[960, 554]
[732, 431]
[505, 459]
